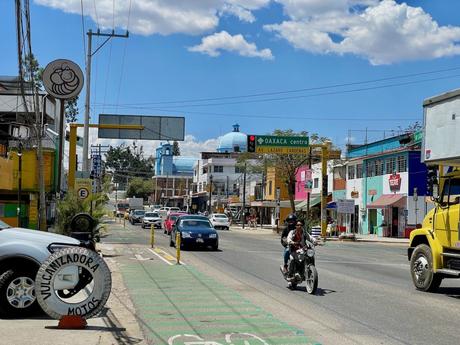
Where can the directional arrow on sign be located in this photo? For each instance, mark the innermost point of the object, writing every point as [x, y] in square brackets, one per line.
[261, 141]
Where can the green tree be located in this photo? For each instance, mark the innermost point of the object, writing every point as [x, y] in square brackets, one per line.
[140, 188]
[128, 161]
[286, 165]
[175, 149]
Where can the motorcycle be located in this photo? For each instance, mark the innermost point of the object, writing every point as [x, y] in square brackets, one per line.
[304, 269]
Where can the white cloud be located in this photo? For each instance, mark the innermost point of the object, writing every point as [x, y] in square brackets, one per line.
[160, 16]
[383, 32]
[190, 147]
[214, 44]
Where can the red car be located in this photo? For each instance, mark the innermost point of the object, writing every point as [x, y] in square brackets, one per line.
[170, 221]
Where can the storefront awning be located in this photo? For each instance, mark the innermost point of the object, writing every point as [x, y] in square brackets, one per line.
[387, 200]
[314, 200]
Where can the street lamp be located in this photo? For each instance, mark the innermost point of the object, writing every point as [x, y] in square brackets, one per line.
[210, 194]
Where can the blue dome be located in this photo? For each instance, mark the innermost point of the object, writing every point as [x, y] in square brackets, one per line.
[234, 141]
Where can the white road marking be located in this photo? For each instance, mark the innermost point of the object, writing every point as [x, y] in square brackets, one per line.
[159, 256]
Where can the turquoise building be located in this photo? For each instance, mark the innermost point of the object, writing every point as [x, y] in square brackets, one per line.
[387, 181]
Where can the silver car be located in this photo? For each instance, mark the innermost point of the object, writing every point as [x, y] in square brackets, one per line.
[22, 251]
[151, 218]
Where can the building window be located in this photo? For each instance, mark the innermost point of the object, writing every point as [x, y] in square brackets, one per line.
[390, 165]
[379, 167]
[402, 164]
[351, 172]
[238, 170]
[218, 168]
[205, 170]
[316, 182]
[370, 169]
[270, 187]
[359, 171]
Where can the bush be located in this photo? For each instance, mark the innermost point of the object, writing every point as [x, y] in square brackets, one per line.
[71, 205]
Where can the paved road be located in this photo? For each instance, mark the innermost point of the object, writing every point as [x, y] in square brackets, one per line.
[365, 295]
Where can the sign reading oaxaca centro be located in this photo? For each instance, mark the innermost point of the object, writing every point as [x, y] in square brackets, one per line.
[278, 144]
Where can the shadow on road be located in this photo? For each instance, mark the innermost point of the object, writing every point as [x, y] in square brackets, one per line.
[453, 292]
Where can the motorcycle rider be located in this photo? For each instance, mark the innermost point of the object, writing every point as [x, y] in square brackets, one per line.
[296, 239]
[290, 221]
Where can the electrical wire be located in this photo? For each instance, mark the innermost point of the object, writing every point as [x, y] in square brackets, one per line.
[83, 29]
[317, 94]
[332, 86]
[123, 59]
[95, 12]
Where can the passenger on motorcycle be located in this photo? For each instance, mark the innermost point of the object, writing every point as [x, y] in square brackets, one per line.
[290, 225]
[296, 239]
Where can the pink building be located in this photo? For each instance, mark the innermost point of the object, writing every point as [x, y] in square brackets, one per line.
[303, 177]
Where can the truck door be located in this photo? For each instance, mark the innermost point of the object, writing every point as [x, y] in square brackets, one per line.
[447, 215]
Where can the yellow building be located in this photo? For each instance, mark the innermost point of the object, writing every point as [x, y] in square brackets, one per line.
[274, 183]
[9, 179]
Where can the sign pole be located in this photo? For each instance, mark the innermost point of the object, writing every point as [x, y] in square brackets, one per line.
[324, 156]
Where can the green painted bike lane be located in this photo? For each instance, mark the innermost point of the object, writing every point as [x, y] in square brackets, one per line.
[178, 305]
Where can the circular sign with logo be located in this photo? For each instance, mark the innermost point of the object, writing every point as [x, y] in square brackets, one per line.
[63, 79]
[83, 193]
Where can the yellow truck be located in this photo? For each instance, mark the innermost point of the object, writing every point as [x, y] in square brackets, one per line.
[434, 250]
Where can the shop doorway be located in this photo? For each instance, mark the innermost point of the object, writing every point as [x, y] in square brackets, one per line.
[372, 221]
[394, 221]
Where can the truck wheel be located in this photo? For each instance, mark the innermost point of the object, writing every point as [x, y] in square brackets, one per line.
[421, 268]
[73, 281]
[17, 293]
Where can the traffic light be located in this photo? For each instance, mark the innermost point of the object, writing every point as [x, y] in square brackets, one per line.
[431, 180]
[251, 143]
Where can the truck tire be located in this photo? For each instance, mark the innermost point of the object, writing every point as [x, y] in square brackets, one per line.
[90, 264]
[421, 269]
[17, 293]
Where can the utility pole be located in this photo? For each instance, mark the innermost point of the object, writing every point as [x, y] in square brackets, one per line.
[311, 177]
[88, 87]
[19, 182]
[244, 195]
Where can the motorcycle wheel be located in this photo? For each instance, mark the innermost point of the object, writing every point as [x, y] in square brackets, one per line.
[311, 280]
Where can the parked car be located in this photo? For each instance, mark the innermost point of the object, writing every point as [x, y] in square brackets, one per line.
[220, 221]
[151, 218]
[195, 231]
[22, 251]
[136, 216]
[170, 221]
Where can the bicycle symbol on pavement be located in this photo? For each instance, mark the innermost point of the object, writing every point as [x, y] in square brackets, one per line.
[230, 339]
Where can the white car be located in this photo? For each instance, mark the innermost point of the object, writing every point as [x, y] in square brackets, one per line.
[219, 221]
[151, 218]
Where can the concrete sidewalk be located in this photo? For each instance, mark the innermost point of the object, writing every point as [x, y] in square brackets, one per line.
[359, 237]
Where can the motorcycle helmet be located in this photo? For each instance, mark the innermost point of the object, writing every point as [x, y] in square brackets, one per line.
[291, 221]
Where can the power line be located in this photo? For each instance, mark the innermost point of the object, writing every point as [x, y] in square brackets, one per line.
[83, 29]
[317, 94]
[376, 118]
[299, 90]
[123, 59]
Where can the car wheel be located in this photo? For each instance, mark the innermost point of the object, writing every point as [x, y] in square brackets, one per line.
[421, 267]
[17, 293]
[215, 248]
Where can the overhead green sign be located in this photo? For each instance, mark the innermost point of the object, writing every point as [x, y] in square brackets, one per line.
[278, 144]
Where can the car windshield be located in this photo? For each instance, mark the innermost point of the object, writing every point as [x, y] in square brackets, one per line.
[191, 224]
[223, 216]
[3, 225]
[137, 213]
[151, 214]
[173, 218]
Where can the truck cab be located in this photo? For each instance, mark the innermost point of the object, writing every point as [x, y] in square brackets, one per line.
[434, 250]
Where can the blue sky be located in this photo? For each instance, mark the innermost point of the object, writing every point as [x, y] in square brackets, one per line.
[191, 50]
